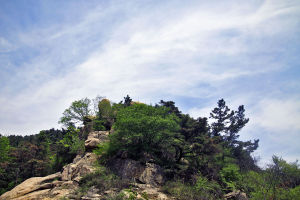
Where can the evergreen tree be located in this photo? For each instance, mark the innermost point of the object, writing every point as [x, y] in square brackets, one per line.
[127, 101]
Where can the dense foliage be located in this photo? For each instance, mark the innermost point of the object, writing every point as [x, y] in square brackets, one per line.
[36, 155]
[201, 160]
[141, 130]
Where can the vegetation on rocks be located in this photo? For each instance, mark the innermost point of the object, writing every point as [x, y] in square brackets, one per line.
[198, 158]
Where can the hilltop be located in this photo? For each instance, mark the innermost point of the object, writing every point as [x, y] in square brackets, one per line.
[131, 150]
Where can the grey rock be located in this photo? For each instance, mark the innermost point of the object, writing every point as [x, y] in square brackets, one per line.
[236, 195]
[148, 173]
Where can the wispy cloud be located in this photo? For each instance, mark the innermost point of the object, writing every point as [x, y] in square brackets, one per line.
[194, 52]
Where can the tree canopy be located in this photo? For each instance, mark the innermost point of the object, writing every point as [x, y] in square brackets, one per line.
[76, 113]
[200, 158]
[142, 128]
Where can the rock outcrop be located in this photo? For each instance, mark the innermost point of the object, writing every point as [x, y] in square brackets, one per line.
[95, 138]
[61, 184]
[38, 185]
[79, 167]
[236, 195]
[148, 173]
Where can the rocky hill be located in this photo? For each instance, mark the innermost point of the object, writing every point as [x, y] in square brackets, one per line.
[64, 185]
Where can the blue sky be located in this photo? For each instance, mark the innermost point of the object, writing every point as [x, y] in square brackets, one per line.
[191, 52]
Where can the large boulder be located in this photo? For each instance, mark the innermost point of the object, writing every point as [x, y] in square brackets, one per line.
[95, 138]
[236, 195]
[35, 186]
[80, 167]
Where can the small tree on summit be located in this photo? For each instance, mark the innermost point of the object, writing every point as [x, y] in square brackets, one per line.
[127, 100]
[76, 113]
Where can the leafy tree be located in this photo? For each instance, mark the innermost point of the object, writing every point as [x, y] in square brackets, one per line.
[72, 141]
[105, 110]
[76, 113]
[106, 114]
[141, 128]
[280, 180]
[4, 149]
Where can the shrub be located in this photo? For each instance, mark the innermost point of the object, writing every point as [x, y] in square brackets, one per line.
[72, 141]
[230, 176]
[201, 190]
[98, 125]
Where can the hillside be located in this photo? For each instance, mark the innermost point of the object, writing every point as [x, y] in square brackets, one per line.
[130, 150]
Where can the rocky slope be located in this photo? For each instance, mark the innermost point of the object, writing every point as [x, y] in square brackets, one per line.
[64, 184]
[60, 184]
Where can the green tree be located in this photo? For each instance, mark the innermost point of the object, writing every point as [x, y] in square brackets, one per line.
[76, 113]
[227, 123]
[142, 128]
[171, 106]
[105, 114]
[226, 126]
[127, 100]
[221, 116]
[72, 141]
[4, 149]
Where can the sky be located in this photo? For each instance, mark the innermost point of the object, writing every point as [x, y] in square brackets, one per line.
[191, 52]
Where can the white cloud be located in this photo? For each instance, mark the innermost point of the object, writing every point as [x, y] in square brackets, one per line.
[279, 115]
[145, 54]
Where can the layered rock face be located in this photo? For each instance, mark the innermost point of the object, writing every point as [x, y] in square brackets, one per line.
[61, 184]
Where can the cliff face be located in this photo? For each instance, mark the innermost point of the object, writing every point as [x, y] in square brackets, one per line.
[146, 177]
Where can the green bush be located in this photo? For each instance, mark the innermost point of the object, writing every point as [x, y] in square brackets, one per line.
[230, 176]
[278, 181]
[72, 141]
[105, 110]
[98, 125]
[203, 184]
[186, 191]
